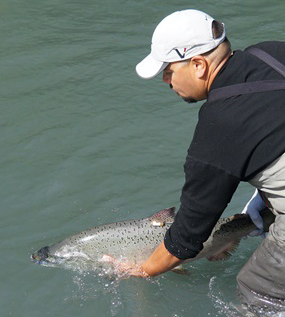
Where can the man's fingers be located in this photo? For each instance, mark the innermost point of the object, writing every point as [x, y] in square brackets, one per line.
[119, 265]
[123, 268]
[256, 219]
[108, 259]
[257, 232]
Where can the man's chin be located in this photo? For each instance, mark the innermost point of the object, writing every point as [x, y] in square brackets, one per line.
[189, 100]
[186, 99]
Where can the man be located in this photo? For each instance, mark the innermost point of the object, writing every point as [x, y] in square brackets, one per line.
[240, 136]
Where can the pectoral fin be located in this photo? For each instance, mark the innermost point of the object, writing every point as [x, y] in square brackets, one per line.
[180, 270]
[225, 252]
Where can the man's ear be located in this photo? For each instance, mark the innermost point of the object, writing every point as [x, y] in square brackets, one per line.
[199, 65]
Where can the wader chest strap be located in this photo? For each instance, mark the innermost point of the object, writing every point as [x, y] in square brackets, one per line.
[268, 59]
[255, 86]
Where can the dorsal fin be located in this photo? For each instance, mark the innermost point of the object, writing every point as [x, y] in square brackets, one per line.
[163, 216]
[225, 252]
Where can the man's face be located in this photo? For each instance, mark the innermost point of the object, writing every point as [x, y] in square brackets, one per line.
[181, 79]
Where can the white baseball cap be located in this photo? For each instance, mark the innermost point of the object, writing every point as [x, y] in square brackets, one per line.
[179, 36]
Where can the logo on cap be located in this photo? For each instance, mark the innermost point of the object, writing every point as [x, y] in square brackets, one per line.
[181, 55]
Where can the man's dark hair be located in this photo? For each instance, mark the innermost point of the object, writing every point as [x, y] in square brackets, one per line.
[218, 29]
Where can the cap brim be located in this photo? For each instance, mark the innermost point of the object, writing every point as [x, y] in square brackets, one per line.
[149, 67]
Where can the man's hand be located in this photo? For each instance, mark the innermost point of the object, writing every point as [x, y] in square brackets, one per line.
[252, 208]
[159, 262]
[124, 269]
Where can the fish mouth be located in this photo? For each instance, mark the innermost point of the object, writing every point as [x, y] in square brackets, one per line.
[44, 258]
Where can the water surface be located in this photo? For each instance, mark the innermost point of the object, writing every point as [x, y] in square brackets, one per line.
[84, 141]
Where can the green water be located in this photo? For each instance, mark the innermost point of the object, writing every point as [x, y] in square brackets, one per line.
[84, 141]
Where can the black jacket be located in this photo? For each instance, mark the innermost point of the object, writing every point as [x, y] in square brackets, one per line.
[235, 138]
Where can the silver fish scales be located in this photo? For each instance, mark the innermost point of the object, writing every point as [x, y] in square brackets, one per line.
[135, 240]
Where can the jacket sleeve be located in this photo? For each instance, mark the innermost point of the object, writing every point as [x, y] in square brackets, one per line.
[205, 195]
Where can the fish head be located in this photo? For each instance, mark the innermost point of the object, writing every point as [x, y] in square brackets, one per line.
[63, 256]
[45, 258]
